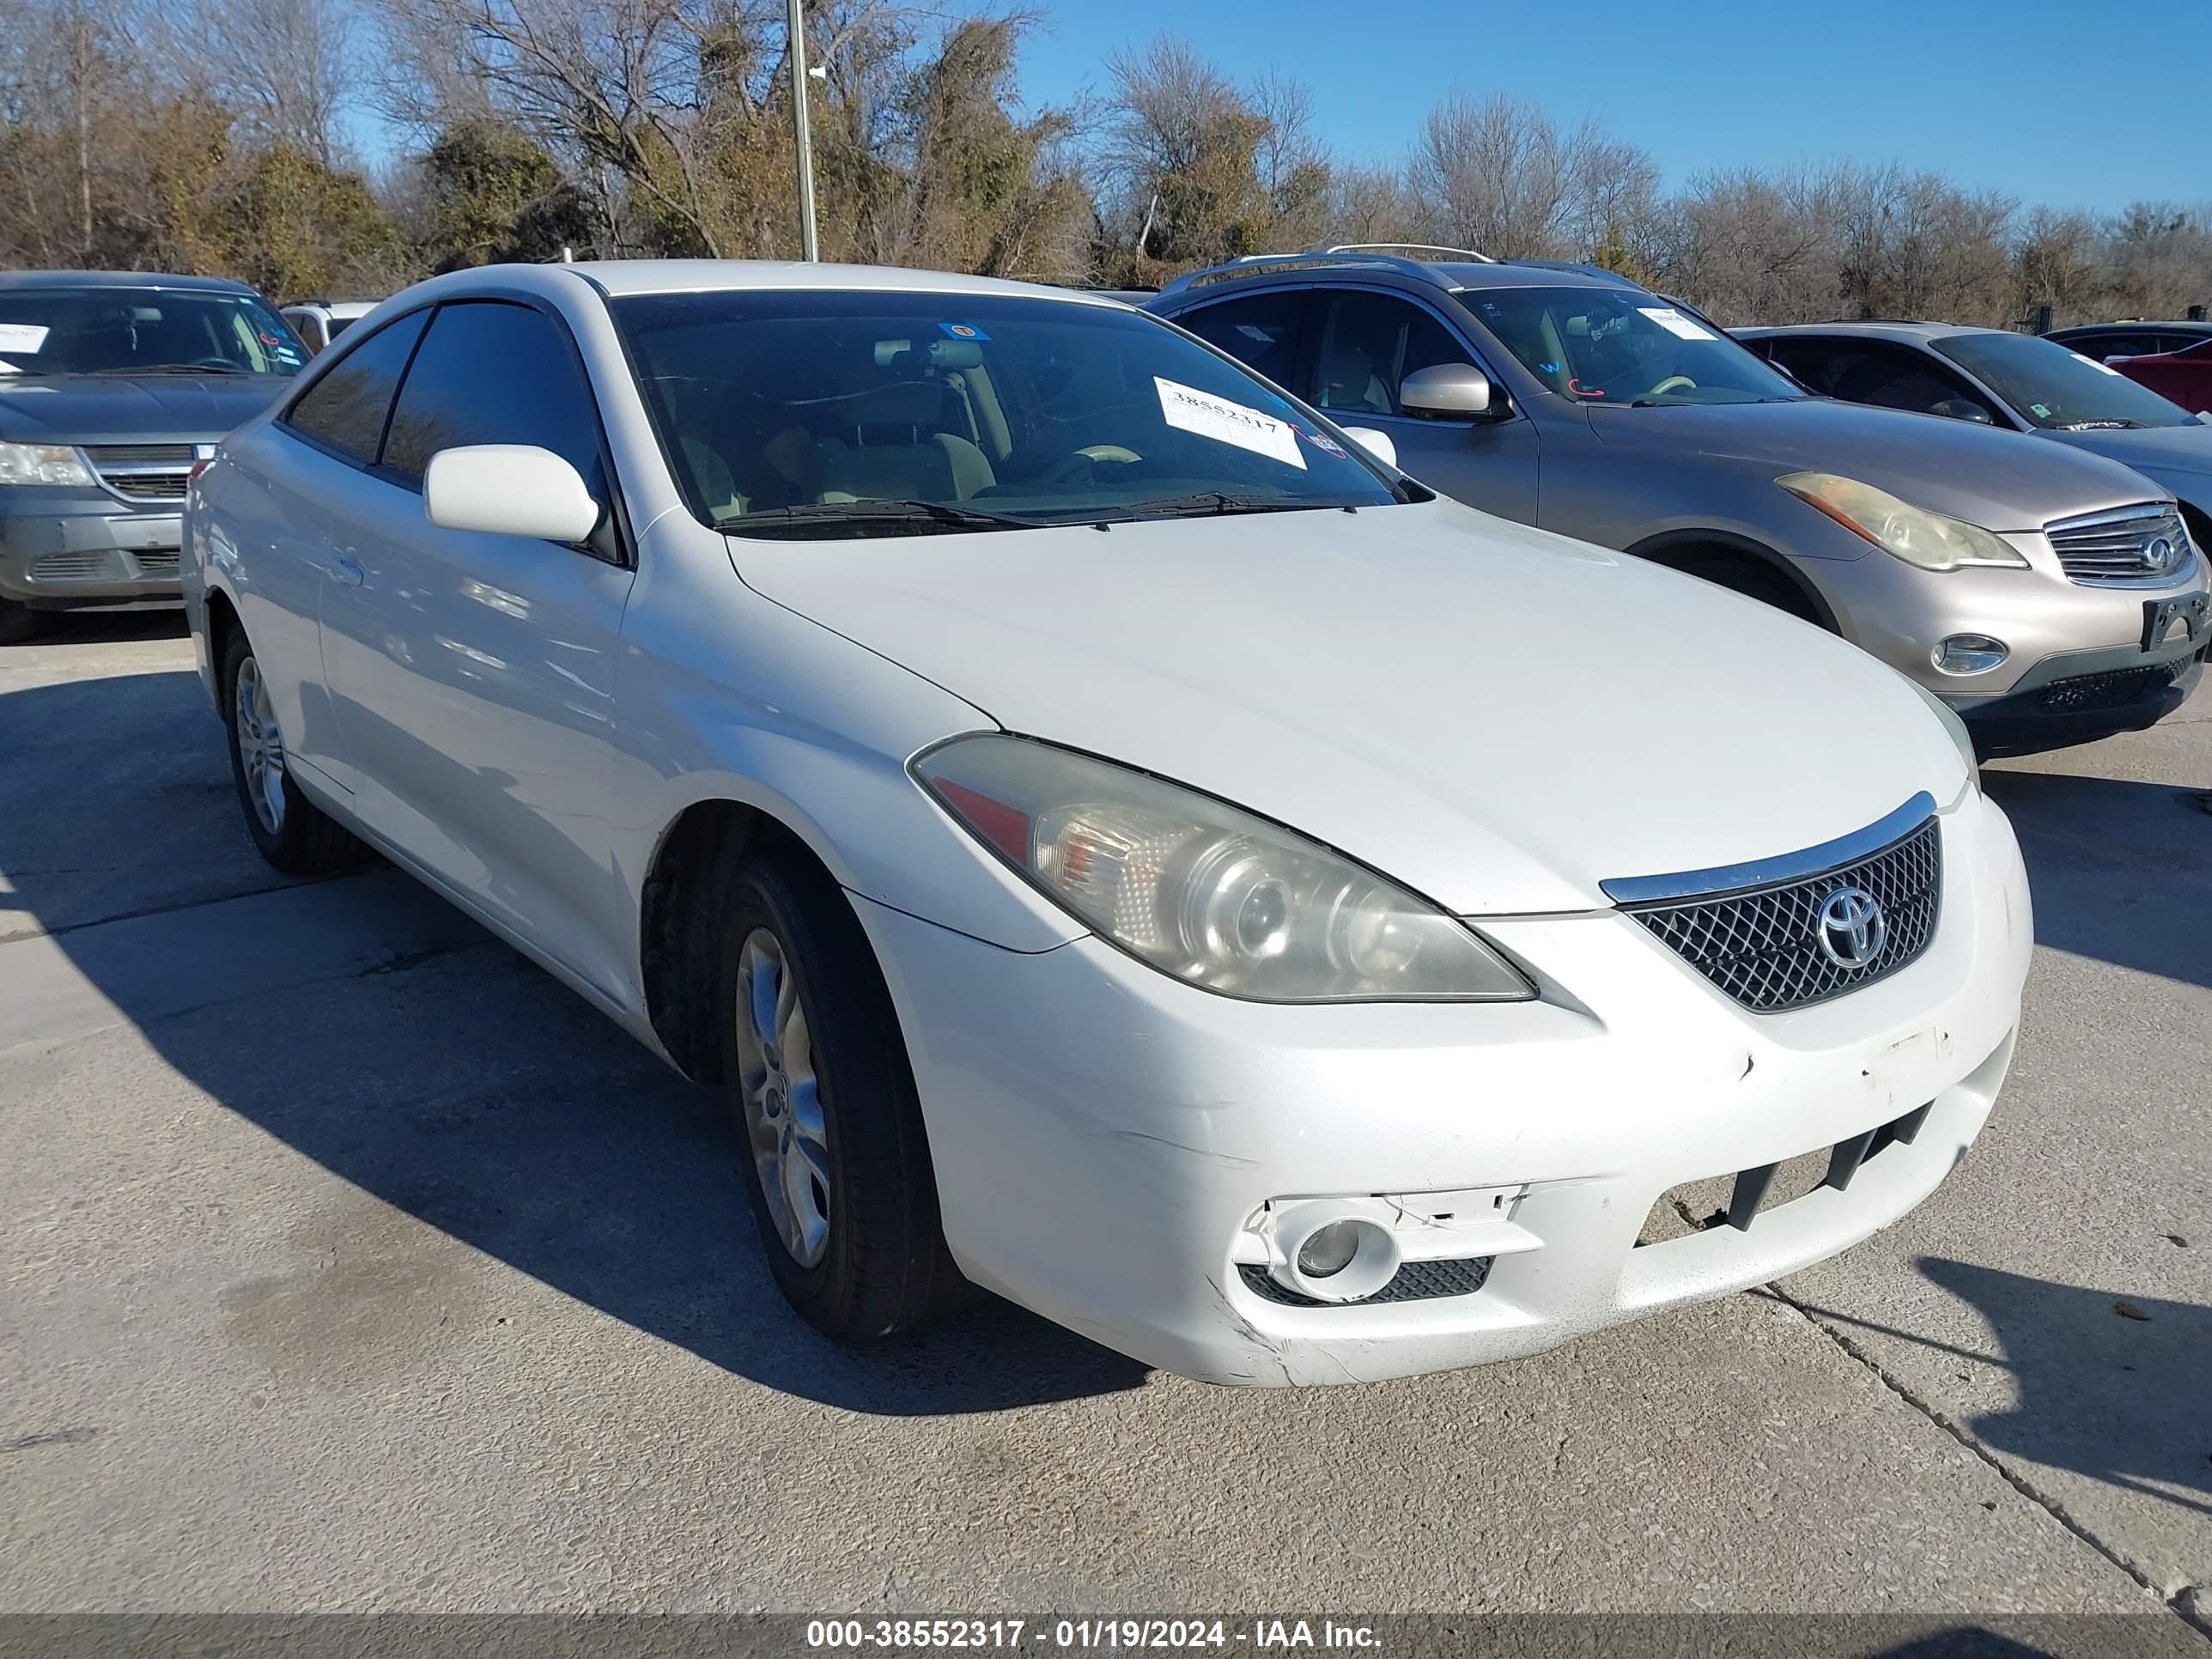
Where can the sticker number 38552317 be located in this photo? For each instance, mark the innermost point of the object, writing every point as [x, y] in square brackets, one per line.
[1225, 422]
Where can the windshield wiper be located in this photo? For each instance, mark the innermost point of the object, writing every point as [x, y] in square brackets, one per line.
[890, 512]
[170, 369]
[1209, 503]
[2100, 425]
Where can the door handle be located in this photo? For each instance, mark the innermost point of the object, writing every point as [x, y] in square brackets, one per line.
[349, 569]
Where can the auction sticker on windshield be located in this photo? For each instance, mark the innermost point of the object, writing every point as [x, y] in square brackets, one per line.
[22, 337]
[1192, 410]
[1675, 323]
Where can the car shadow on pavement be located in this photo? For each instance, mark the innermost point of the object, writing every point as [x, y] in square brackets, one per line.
[2108, 1384]
[454, 1082]
[2118, 870]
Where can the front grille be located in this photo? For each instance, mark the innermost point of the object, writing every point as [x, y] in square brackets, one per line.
[2122, 548]
[1414, 1281]
[70, 566]
[143, 472]
[2115, 689]
[1763, 946]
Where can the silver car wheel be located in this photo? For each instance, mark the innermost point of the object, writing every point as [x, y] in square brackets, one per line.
[260, 747]
[783, 1099]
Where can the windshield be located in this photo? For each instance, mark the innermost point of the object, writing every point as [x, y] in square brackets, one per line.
[1623, 346]
[848, 413]
[139, 330]
[2059, 390]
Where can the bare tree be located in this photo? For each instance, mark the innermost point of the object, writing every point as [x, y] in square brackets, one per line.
[295, 83]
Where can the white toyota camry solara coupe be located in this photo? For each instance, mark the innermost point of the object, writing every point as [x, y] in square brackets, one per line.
[1116, 841]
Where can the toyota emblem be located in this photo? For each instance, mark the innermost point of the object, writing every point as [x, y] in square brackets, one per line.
[1852, 930]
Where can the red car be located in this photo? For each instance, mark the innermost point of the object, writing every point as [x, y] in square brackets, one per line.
[2183, 377]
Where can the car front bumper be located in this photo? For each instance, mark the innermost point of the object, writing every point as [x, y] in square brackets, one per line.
[1103, 1135]
[64, 550]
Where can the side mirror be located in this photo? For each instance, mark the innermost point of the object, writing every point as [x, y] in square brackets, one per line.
[1962, 409]
[1377, 444]
[1446, 392]
[509, 490]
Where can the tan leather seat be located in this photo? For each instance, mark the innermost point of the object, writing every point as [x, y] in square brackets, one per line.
[889, 449]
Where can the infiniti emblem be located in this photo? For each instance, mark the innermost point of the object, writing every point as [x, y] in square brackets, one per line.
[2157, 554]
[1852, 931]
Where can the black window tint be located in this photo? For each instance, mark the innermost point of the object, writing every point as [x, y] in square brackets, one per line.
[346, 408]
[495, 374]
[1370, 344]
[1261, 330]
[1896, 377]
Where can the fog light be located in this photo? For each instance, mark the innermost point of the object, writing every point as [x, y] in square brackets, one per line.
[1329, 1249]
[1970, 654]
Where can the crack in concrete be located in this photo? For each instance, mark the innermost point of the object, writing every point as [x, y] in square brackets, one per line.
[2184, 1604]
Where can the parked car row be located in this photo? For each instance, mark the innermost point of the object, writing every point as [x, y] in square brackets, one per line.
[1119, 840]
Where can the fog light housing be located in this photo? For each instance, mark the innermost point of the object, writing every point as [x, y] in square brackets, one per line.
[1969, 653]
[1323, 1253]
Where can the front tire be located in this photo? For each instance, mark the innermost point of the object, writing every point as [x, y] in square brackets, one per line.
[832, 1149]
[291, 830]
[18, 622]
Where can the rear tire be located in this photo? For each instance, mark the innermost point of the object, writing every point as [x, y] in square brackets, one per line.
[291, 830]
[831, 1146]
[18, 622]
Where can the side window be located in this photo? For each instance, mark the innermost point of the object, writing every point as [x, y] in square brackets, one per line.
[1369, 342]
[345, 408]
[1814, 362]
[2101, 347]
[1261, 329]
[1896, 377]
[490, 373]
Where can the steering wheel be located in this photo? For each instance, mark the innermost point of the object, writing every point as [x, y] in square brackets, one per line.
[1673, 382]
[1067, 468]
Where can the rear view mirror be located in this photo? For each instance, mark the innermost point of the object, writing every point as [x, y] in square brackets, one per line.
[509, 490]
[1960, 408]
[1446, 392]
[1377, 444]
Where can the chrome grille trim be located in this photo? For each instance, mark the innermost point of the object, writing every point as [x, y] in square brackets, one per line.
[143, 472]
[2104, 549]
[1761, 945]
[1630, 890]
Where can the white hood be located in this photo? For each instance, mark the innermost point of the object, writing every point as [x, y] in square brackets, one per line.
[1498, 717]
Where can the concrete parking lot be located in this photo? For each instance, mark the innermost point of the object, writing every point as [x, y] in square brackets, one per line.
[346, 1260]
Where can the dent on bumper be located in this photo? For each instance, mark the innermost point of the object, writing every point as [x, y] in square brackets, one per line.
[1102, 1133]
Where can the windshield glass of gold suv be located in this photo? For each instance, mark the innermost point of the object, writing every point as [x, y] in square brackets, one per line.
[807, 413]
[1622, 346]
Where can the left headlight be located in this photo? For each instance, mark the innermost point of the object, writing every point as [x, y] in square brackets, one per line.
[1216, 897]
[42, 464]
[1901, 529]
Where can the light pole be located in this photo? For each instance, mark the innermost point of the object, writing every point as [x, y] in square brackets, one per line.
[809, 246]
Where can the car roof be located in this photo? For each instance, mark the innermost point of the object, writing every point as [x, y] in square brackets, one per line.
[620, 278]
[1921, 333]
[1453, 275]
[2188, 324]
[24, 279]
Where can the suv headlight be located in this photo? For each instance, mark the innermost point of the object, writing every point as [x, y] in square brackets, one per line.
[1927, 539]
[42, 464]
[1216, 897]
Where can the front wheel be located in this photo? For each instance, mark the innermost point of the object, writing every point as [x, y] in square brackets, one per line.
[18, 622]
[291, 830]
[833, 1152]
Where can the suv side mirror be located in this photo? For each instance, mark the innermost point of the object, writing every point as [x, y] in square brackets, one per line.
[1962, 409]
[509, 490]
[1446, 392]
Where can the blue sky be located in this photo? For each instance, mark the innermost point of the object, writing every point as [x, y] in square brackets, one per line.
[2020, 96]
[2024, 96]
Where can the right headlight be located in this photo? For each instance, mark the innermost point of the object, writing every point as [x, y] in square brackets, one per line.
[1926, 539]
[42, 464]
[1216, 897]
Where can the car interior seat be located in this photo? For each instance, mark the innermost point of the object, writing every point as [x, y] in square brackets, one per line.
[890, 444]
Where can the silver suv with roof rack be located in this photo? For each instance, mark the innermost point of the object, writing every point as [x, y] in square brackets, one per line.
[1568, 396]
